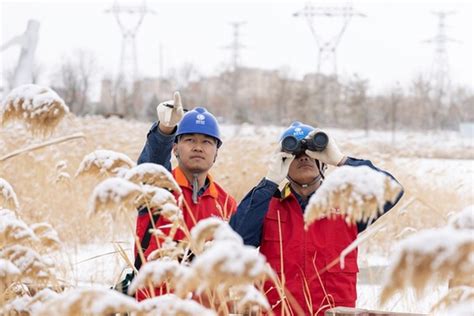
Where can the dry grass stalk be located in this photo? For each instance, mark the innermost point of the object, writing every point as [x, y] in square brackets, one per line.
[27, 305]
[15, 231]
[8, 197]
[47, 235]
[8, 274]
[464, 219]
[170, 304]
[152, 174]
[455, 296]
[113, 194]
[104, 162]
[431, 255]
[211, 228]
[169, 249]
[170, 272]
[160, 201]
[357, 193]
[40, 108]
[41, 145]
[88, 301]
[250, 299]
[29, 262]
[227, 263]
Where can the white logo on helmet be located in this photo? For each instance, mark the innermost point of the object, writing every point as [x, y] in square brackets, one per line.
[298, 131]
[200, 119]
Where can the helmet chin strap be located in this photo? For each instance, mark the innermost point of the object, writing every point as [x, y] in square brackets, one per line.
[305, 185]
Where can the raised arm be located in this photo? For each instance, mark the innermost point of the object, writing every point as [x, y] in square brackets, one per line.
[161, 136]
[158, 147]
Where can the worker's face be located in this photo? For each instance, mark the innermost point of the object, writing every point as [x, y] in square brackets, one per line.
[303, 169]
[196, 153]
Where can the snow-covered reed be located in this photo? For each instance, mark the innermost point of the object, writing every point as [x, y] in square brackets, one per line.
[104, 162]
[40, 108]
[357, 193]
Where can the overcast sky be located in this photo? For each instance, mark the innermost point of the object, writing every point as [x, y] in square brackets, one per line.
[385, 47]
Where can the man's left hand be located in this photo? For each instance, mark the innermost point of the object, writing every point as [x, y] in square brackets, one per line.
[331, 155]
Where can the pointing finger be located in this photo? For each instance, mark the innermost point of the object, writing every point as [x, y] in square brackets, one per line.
[177, 100]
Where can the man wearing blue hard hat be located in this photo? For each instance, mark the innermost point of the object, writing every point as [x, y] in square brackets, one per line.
[273, 221]
[194, 139]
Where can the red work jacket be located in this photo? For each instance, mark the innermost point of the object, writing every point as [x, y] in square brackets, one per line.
[304, 256]
[213, 202]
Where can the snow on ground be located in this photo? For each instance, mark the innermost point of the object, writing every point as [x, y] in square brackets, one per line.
[455, 174]
[93, 264]
[407, 302]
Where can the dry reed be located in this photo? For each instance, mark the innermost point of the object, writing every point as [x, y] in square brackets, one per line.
[104, 162]
[170, 304]
[169, 272]
[88, 301]
[430, 255]
[29, 262]
[27, 305]
[113, 194]
[152, 174]
[227, 263]
[250, 299]
[455, 296]
[357, 193]
[47, 235]
[211, 228]
[168, 249]
[40, 108]
[8, 198]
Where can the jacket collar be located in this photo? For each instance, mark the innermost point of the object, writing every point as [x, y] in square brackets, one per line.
[183, 182]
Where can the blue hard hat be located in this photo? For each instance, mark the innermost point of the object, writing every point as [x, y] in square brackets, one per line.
[297, 130]
[199, 121]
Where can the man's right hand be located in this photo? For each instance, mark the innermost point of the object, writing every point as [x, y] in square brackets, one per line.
[279, 165]
[170, 113]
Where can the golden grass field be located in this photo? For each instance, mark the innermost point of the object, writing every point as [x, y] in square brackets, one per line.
[47, 190]
[47, 195]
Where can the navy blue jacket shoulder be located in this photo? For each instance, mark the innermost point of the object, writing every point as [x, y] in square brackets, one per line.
[250, 215]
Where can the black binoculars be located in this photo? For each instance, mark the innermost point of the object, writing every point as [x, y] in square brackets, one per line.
[292, 145]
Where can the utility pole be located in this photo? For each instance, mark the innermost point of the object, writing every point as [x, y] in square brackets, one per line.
[327, 47]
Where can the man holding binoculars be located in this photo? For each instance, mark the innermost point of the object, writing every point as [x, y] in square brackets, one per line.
[273, 220]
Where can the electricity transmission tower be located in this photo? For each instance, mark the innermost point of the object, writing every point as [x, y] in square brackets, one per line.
[240, 113]
[235, 46]
[326, 60]
[440, 68]
[129, 19]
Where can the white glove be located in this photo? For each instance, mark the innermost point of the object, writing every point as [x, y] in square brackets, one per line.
[279, 165]
[170, 112]
[331, 155]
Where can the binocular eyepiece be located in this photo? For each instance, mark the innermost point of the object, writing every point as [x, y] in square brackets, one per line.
[292, 145]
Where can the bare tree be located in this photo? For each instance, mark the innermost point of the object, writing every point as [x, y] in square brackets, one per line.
[73, 80]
